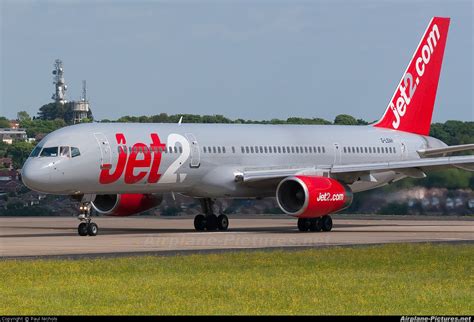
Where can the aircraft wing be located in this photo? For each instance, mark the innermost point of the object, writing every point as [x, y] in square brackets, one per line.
[441, 151]
[464, 162]
[412, 168]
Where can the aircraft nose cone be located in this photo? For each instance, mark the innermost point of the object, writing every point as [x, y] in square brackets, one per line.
[35, 178]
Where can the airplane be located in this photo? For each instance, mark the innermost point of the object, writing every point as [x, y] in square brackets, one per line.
[122, 169]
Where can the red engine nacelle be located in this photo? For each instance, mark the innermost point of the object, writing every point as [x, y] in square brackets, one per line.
[125, 204]
[311, 196]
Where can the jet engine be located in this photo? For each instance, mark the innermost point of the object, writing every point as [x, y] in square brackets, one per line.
[312, 196]
[125, 204]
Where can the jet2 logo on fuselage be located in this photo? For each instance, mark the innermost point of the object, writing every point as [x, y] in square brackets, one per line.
[143, 156]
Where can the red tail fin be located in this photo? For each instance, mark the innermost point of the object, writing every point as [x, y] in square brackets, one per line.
[411, 106]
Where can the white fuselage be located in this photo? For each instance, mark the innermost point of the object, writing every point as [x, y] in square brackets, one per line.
[202, 160]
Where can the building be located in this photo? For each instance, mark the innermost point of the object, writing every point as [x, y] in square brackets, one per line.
[14, 124]
[10, 135]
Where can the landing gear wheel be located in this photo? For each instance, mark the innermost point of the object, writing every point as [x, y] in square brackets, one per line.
[199, 222]
[211, 222]
[222, 222]
[315, 224]
[303, 224]
[92, 229]
[326, 223]
[82, 229]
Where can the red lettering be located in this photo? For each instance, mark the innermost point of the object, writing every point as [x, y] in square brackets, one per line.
[156, 147]
[130, 161]
[133, 163]
[105, 175]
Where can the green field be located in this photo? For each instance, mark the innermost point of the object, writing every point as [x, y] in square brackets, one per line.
[421, 279]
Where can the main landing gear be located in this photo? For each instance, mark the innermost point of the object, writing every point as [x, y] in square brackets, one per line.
[210, 221]
[315, 224]
[86, 227]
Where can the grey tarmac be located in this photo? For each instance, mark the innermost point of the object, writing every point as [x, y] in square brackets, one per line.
[51, 237]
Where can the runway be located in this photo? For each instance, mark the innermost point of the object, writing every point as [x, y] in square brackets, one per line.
[26, 237]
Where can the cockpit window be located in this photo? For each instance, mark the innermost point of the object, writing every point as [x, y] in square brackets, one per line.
[36, 151]
[50, 152]
[75, 152]
[64, 151]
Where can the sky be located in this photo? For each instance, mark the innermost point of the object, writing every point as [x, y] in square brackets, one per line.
[242, 59]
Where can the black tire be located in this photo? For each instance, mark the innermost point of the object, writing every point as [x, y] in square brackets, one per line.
[211, 222]
[199, 222]
[303, 224]
[326, 223]
[92, 229]
[82, 229]
[222, 222]
[315, 224]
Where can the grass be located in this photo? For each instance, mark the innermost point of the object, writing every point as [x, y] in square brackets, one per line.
[416, 279]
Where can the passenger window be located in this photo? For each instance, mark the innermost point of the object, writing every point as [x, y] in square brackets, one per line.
[223, 149]
[247, 149]
[50, 152]
[36, 151]
[214, 150]
[64, 151]
[265, 149]
[204, 149]
[233, 149]
[261, 149]
[218, 149]
[251, 149]
[75, 152]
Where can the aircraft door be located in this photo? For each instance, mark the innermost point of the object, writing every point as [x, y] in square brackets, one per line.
[195, 153]
[337, 153]
[404, 150]
[105, 153]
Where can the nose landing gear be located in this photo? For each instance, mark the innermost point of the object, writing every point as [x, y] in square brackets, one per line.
[86, 227]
